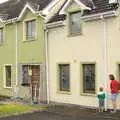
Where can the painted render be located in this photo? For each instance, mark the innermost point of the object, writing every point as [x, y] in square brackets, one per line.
[85, 48]
[29, 52]
[7, 50]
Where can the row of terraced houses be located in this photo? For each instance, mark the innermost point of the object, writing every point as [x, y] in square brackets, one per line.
[59, 50]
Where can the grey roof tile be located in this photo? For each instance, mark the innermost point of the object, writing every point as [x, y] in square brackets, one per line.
[12, 8]
[97, 6]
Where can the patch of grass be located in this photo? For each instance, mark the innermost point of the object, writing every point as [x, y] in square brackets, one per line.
[8, 109]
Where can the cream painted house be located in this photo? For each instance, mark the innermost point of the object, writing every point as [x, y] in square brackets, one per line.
[83, 44]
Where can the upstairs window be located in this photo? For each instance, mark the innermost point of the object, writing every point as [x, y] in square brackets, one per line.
[1, 35]
[75, 23]
[30, 30]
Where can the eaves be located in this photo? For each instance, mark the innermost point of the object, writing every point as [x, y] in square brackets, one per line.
[86, 18]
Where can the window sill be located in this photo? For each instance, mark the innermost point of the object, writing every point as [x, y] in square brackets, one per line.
[7, 87]
[88, 94]
[64, 92]
[75, 34]
[29, 40]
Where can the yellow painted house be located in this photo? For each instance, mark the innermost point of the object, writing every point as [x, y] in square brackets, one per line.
[22, 50]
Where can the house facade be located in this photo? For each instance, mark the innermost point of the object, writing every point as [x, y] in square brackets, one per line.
[22, 47]
[83, 45]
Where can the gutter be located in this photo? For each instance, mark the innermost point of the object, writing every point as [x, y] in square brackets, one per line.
[55, 24]
[86, 18]
[98, 16]
[10, 20]
[18, 19]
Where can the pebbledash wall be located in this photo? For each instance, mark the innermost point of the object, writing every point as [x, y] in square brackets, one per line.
[86, 48]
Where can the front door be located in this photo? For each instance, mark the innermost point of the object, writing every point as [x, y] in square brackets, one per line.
[35, 83]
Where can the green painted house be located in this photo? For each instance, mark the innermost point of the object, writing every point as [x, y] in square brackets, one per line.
[22, 49]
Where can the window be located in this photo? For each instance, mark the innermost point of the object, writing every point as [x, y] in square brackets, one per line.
[8, 76]
[75, 23]
[26, 77]
[119, 71]
[30, 74]
[1, 35]
[30, 30]
[88, 78]
[64, 77]
[119, 74]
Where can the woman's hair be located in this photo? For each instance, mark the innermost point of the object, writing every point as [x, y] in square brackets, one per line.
[111, 76]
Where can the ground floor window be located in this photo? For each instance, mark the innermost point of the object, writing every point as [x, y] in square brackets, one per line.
[119, 73]
[64, 77]
[88, 71]
[7, 76]
[30, 73]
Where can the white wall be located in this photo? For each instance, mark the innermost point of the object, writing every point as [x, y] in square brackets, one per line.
[83, 48]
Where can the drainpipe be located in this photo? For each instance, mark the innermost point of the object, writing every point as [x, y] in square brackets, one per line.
[47, 64]
[105, 58]
[16, 44]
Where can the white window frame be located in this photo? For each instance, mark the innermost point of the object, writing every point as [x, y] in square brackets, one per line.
[25, 29]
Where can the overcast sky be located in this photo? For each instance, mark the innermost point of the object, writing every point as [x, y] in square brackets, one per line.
[1, 1]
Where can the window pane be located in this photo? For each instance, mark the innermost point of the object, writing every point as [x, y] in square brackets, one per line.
[33, 29]
[29, 30]
[75, 23]
[1, 35]
[64, 77]
[30, 35]
[8, 76]
[119, 74]
[89, 78]
[25, 75]
[30, 74]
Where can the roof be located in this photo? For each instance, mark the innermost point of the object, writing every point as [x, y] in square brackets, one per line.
[97, 6]
[12, 8]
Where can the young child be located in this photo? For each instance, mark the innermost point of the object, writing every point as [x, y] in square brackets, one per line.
[101, 98]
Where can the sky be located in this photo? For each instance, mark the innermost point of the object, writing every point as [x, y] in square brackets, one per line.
[1, 1]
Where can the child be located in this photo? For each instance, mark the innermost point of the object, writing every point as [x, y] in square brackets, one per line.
[101, 98]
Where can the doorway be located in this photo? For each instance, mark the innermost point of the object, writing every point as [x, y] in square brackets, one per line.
[31, 78]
